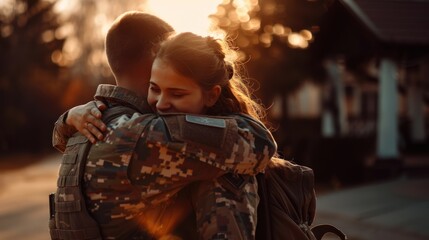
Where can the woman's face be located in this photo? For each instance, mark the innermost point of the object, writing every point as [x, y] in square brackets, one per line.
[170, 91]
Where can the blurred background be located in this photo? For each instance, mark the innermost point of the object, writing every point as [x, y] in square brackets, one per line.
[345, 84]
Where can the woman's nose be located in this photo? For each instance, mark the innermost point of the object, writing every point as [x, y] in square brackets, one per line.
[163, 103]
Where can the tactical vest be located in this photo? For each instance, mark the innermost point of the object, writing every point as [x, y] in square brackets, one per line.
[69, 216]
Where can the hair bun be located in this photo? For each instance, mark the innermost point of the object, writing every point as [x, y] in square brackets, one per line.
[216, 46]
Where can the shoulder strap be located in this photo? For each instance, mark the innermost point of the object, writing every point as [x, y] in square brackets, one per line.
[263, 228]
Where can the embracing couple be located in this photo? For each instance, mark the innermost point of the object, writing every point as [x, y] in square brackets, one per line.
[174, 153]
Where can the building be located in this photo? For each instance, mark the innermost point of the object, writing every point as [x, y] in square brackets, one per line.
[373, 105]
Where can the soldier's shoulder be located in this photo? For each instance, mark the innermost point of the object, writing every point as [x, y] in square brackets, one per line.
[201, 129]
[196, 120]
[129, 121]
[207, 121]
[247, 121]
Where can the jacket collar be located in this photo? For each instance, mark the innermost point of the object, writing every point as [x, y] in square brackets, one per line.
[112, 94]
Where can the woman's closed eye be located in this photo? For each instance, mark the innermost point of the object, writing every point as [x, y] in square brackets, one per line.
[154, 89]
[178, 94]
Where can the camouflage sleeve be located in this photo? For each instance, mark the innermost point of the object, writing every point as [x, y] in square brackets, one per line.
[259, 138]
[176, 150]
[235, 144]
[208, 210]
[61, 133]
[223, 214]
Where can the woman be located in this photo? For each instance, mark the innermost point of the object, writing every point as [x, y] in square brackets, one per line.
[191, 74]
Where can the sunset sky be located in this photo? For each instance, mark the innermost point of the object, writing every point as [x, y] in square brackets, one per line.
[184, 15]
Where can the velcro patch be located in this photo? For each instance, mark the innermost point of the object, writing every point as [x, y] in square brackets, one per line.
[206, 121]
[233, 182]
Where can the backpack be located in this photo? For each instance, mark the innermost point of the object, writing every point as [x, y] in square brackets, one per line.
[288, 204]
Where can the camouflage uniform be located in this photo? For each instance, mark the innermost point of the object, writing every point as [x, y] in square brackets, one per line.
[225, 214]
[135, 179]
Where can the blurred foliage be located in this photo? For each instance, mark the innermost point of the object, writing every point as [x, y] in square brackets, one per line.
[52, 58]
[275, 37]
[84, 24]
[29, 86]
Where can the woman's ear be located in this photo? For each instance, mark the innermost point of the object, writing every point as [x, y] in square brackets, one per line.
[213, 95]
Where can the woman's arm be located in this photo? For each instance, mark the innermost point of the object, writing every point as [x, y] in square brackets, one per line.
[85, 119]
[237, 143]
[193, 147]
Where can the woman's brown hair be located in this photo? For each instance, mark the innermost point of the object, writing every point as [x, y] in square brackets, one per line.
[205, 59]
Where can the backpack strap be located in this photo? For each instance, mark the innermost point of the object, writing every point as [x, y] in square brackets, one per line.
[320, 230]
[263, 227]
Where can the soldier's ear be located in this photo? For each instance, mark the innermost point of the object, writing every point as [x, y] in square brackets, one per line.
[212, 95]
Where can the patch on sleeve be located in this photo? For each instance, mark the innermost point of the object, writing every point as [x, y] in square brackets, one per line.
[206, 121]
[214, 136]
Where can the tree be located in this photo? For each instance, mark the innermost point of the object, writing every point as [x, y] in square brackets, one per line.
[29, 82]
[85, 24]
[274, 37]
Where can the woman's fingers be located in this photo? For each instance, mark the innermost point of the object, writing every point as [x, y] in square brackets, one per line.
[94, 125]
[88, 134]
[94, 117]
[87, 120]
[95, 112]
[94, 131]
[100, 105]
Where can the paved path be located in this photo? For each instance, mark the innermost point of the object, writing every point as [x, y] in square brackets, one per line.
[393, 210]
[24, 200]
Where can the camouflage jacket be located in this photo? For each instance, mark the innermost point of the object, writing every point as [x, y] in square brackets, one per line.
[133, 177]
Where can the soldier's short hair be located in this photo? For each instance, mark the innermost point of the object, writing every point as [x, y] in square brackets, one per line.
[132, 37]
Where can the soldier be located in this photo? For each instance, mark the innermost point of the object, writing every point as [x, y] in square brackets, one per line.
[133, 175]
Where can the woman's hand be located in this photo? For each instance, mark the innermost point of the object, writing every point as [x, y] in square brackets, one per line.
[87, 120]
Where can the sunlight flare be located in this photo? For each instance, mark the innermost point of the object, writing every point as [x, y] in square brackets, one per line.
[85, 24]
[185, 15]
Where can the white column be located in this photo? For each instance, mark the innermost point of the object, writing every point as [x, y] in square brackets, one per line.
[335, 71]
[328, 122]
[328, 129]
[387, 128]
